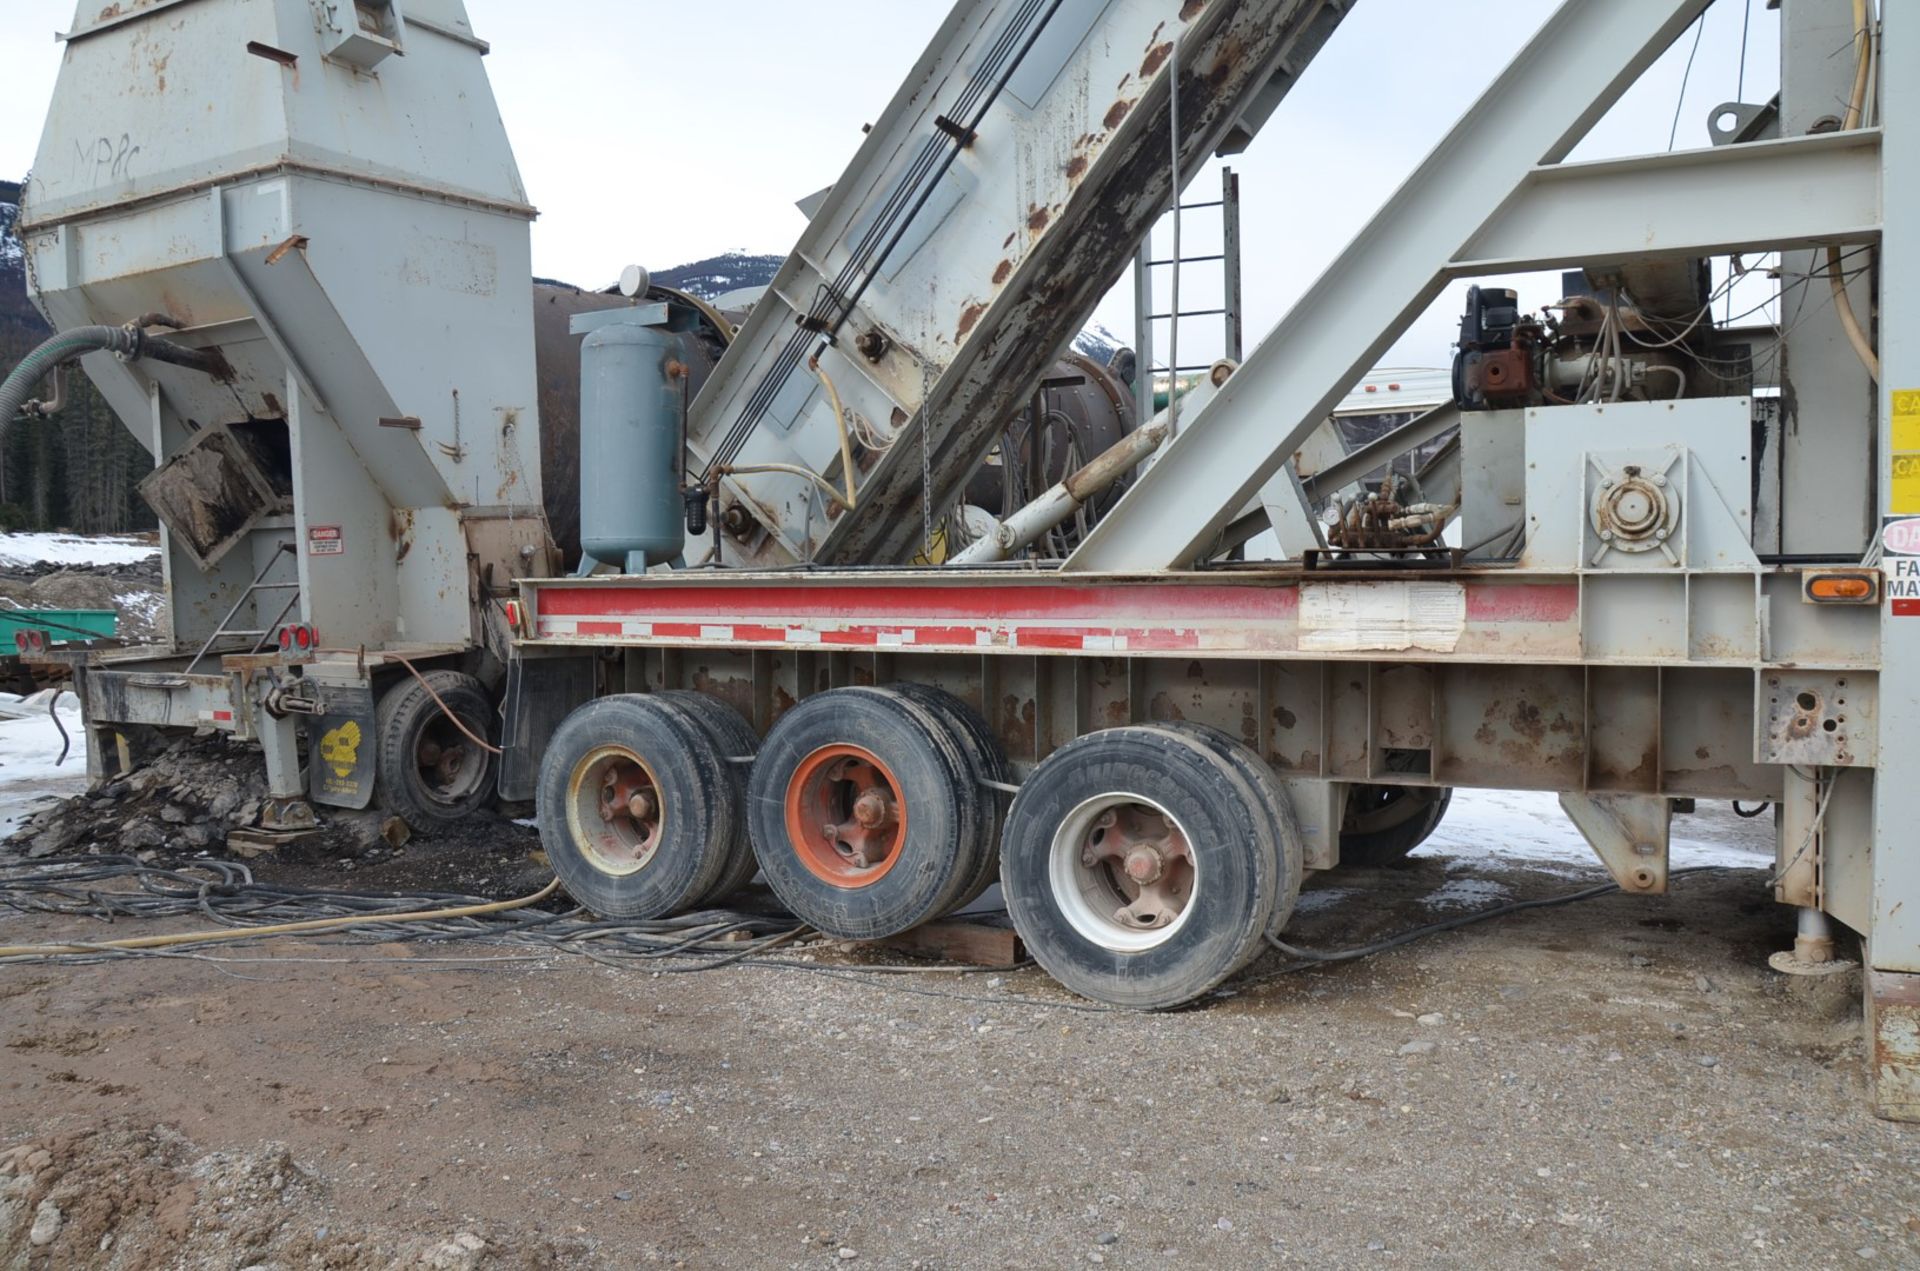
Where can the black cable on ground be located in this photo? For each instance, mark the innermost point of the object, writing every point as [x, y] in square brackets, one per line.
[702, 941]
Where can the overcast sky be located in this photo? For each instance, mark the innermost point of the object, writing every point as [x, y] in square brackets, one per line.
[664, 132]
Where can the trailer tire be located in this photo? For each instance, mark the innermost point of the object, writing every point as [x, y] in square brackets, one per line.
[1384, 824]
[1271, 798]
[426, 771]
[736, 740]
[1186, 816]
[636, 814]
[888, 776]
[989, 765]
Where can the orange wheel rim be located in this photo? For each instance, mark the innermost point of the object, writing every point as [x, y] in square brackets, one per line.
[615, 810]
[846, 818]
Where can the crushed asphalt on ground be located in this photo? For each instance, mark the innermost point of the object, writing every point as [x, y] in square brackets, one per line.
[1619, 1082]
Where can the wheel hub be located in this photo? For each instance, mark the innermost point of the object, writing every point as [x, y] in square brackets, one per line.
[851, 804]
[1148, 862]
[620, 816]
[440, 755]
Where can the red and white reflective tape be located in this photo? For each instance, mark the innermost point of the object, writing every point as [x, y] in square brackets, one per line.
[859, 636]
[1123, 617]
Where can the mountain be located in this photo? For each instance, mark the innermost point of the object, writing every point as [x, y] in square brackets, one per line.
[76, 470]
[1099, 344]
[15, 308]
[715, 276]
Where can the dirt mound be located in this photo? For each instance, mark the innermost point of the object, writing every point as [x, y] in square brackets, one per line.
[187, 798]
[125, 1197]
[133, 591]
[191, 796]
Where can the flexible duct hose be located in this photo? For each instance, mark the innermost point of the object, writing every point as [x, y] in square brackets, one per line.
[129, 342]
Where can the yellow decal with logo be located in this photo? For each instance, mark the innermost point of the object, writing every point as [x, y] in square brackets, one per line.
[1903, 499]
[340, 749]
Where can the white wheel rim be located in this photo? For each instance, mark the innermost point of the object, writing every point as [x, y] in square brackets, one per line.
[1090, 896]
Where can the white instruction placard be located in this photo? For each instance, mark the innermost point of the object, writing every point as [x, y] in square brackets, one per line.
[1379, 617]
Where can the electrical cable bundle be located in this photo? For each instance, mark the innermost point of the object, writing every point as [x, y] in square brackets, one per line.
[243, 909]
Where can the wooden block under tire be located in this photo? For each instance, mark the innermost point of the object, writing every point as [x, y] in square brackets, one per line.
[968, 943]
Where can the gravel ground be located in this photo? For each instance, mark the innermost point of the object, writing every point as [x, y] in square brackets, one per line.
[1620, 1082]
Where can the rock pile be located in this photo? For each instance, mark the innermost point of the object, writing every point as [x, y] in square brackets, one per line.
[185, 801]
[189, 797]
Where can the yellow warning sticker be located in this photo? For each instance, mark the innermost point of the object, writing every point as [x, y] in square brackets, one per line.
[1904, 498]
[1906, 419]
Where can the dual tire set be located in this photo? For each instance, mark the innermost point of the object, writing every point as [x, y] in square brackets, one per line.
[1142, 865]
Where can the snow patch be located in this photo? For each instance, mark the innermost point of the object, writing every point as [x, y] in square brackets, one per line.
[29, 745]
[1490, 828]
[1466, 893]
[1324, 898]
[74, 549]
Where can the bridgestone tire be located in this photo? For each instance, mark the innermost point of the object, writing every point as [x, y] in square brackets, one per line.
[735, 740]
[1392, 843]
[1274, 800]
[1239, 877]
[930, 773]
[406, 716]
[698, 819]
[989, 764]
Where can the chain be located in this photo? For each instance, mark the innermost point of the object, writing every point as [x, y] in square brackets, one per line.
[926, 456]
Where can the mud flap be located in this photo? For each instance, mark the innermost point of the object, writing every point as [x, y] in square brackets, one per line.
[541, 692]
[340, 751]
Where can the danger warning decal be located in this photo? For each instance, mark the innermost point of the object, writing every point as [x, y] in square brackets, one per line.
[326, 540]
[1903, 586]
[1900, 536]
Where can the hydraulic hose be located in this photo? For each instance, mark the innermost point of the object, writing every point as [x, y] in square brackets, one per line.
[130, 342]
[281, 929]
[1856, 116]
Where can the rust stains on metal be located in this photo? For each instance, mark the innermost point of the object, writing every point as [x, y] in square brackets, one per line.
[1156, 58]
[294, 243]
[272, 54]
[1191, 9]
[1009, 243]
[970, 318]
[1118, 112]
[1039, 218]
[1004, 272]
[1077, 169]
[274, 407]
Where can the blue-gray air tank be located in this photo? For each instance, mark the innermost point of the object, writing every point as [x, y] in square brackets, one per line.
[631, 510]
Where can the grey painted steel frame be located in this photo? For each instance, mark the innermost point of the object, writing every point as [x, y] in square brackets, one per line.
[1799, 193]
[1583, 59]
[1894, 939]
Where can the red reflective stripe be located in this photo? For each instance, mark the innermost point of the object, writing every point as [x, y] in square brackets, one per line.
[1523, 602]
[1049, 603]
